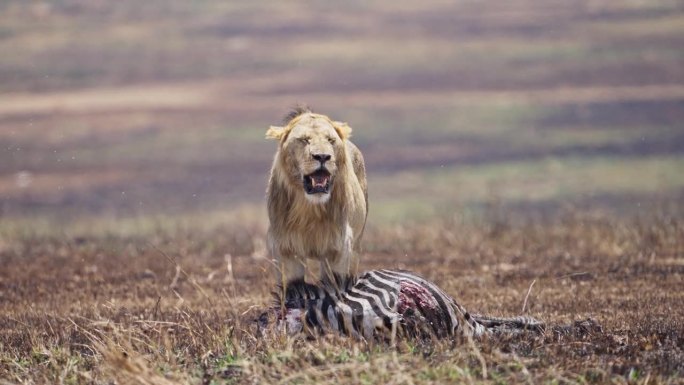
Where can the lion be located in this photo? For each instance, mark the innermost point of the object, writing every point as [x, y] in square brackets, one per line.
[317, 196]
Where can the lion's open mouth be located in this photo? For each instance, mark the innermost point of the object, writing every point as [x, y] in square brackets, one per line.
[317, 182]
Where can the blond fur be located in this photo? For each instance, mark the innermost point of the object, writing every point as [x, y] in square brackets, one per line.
[326, 227]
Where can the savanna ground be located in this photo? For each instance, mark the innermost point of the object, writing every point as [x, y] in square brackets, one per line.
[519, 153]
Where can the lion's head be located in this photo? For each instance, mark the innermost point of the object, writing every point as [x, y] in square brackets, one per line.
[311, 150]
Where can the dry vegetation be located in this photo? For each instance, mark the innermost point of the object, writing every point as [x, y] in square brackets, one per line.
[512, 147]
[179, 307]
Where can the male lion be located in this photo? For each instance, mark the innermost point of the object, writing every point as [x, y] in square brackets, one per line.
[317, 196]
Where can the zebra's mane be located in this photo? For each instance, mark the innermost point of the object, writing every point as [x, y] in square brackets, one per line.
[296, 293]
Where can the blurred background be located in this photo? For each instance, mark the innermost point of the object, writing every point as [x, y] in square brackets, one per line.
[129, 115]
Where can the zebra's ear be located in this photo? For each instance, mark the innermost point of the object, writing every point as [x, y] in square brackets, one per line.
[275, 132]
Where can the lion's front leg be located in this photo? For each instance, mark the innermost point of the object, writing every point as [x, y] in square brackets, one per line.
[342, 263]
[335, 265]
[289, 267]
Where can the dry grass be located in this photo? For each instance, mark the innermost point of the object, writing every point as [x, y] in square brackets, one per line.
[119, 120]
[179, 307]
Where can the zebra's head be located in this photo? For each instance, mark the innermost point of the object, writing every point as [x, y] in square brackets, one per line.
[291, 321]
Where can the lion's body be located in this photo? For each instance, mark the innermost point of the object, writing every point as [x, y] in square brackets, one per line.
[325, 226]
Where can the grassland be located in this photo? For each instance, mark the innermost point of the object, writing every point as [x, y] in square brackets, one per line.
[506, 143]
[180, 306]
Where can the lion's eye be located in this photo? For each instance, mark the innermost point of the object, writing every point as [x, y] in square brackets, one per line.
[331, 140]
[304, 140]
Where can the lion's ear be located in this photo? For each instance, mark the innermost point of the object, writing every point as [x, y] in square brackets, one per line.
[275, 132]
[343, 129]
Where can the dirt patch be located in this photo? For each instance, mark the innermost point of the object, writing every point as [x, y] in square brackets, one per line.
[185, 304]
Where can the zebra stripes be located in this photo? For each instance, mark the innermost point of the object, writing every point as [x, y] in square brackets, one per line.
[381, 303]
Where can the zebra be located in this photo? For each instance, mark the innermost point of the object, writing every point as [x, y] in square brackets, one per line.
[381, 304]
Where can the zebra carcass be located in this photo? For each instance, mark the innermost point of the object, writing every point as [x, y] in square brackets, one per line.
[381, 304]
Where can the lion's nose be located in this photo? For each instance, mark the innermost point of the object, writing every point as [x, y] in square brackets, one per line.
[322, 157]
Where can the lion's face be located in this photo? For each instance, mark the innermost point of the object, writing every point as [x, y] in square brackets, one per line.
[312, 147]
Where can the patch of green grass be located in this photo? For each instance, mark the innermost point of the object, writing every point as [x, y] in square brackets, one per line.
[32, 227]
[515, 126]
[400, 209]
[206, 144]
[589, 137]
[422, 193]
[480, 122]
[665, 25]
